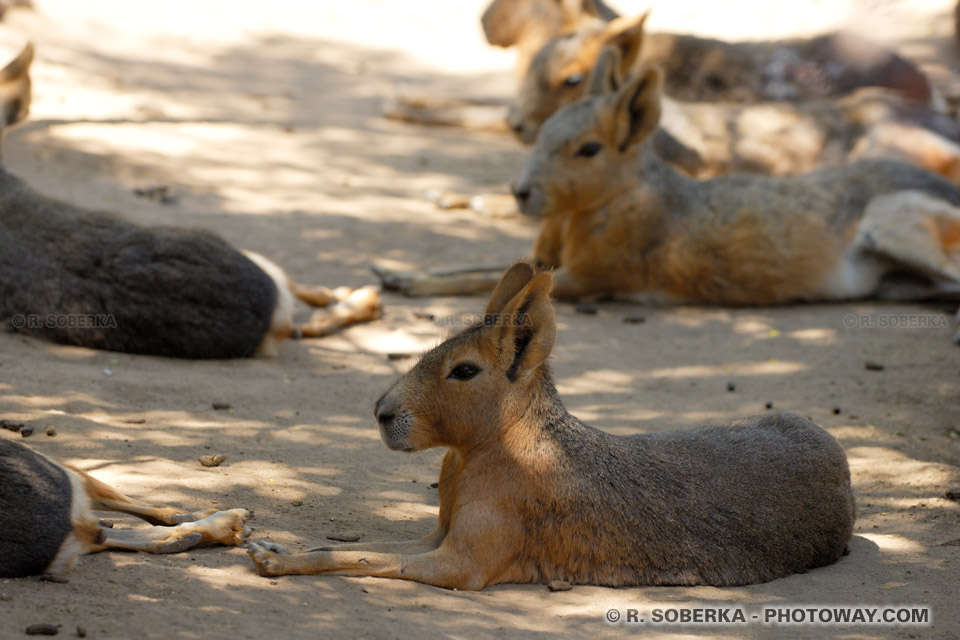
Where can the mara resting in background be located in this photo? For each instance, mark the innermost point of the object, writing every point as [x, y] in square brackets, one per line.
[616, 220]
[48, 520]
[529, 493]
[697, 69]
[709, 70]
[776, 138]
[93, 279]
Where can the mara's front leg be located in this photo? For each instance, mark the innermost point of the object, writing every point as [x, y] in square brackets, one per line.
[443, 567]
[481, 548]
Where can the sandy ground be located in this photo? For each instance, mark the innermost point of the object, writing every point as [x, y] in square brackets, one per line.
[262, 119]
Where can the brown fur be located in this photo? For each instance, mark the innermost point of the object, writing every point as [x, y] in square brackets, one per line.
[528, 493]
[622, 221]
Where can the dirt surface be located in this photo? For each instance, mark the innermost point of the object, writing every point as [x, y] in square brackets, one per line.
[262, 119]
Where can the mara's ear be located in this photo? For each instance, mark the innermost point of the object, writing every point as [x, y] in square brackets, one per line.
[513, 280]
[590, 8]
[626, 34]
[572, 11]
[19, 66]
[636, 110]
[527, 328]
[605, 76]
[15, 87]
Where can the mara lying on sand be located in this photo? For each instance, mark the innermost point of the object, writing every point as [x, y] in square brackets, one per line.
[708, 70]
[528, 493]
[617, 220]
[776, 138]
[48, 519]
[93, 279]
[697, 69]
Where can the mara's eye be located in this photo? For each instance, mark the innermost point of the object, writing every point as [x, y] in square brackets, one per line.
[589, 150]
[464, 372]
[573, 80]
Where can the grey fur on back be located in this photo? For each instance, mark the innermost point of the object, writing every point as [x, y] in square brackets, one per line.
[35, 498]
[721, 505]
[840, 193]
[159, 291]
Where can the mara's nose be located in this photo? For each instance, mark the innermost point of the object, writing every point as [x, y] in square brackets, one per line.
[385, 414]
[515, 122]
[521, 192]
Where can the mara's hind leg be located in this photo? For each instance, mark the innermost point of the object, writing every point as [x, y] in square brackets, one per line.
[456, 281]
[916, 230]
[105, 498]
[360, 305]
[222, 527]
[318, 296]
[913, 144]
[483, 115]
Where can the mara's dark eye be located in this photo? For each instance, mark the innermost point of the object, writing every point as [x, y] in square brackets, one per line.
[589, 150]
[464, 372]
[573, 80]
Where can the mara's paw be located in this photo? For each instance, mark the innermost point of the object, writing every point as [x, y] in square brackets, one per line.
[226, 527]
[363, 304]
[448, 199]
[265, 556]
[495, 205]
[393, 280]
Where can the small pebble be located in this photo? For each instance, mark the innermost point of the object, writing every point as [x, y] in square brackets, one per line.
[213, 461]
[43, 629]
[398, 356]
[10, 425]
[297, 503]
[731, 386]
[274, 582]
[5, 597]
[81, 632]
[634, 320]
[344, 537]
[107, 372]
[836, 411]
[434, 485]
[559, 585]
[870, 365]
[50, 430]
[220, 406]
[586, 308]
[26, 430]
